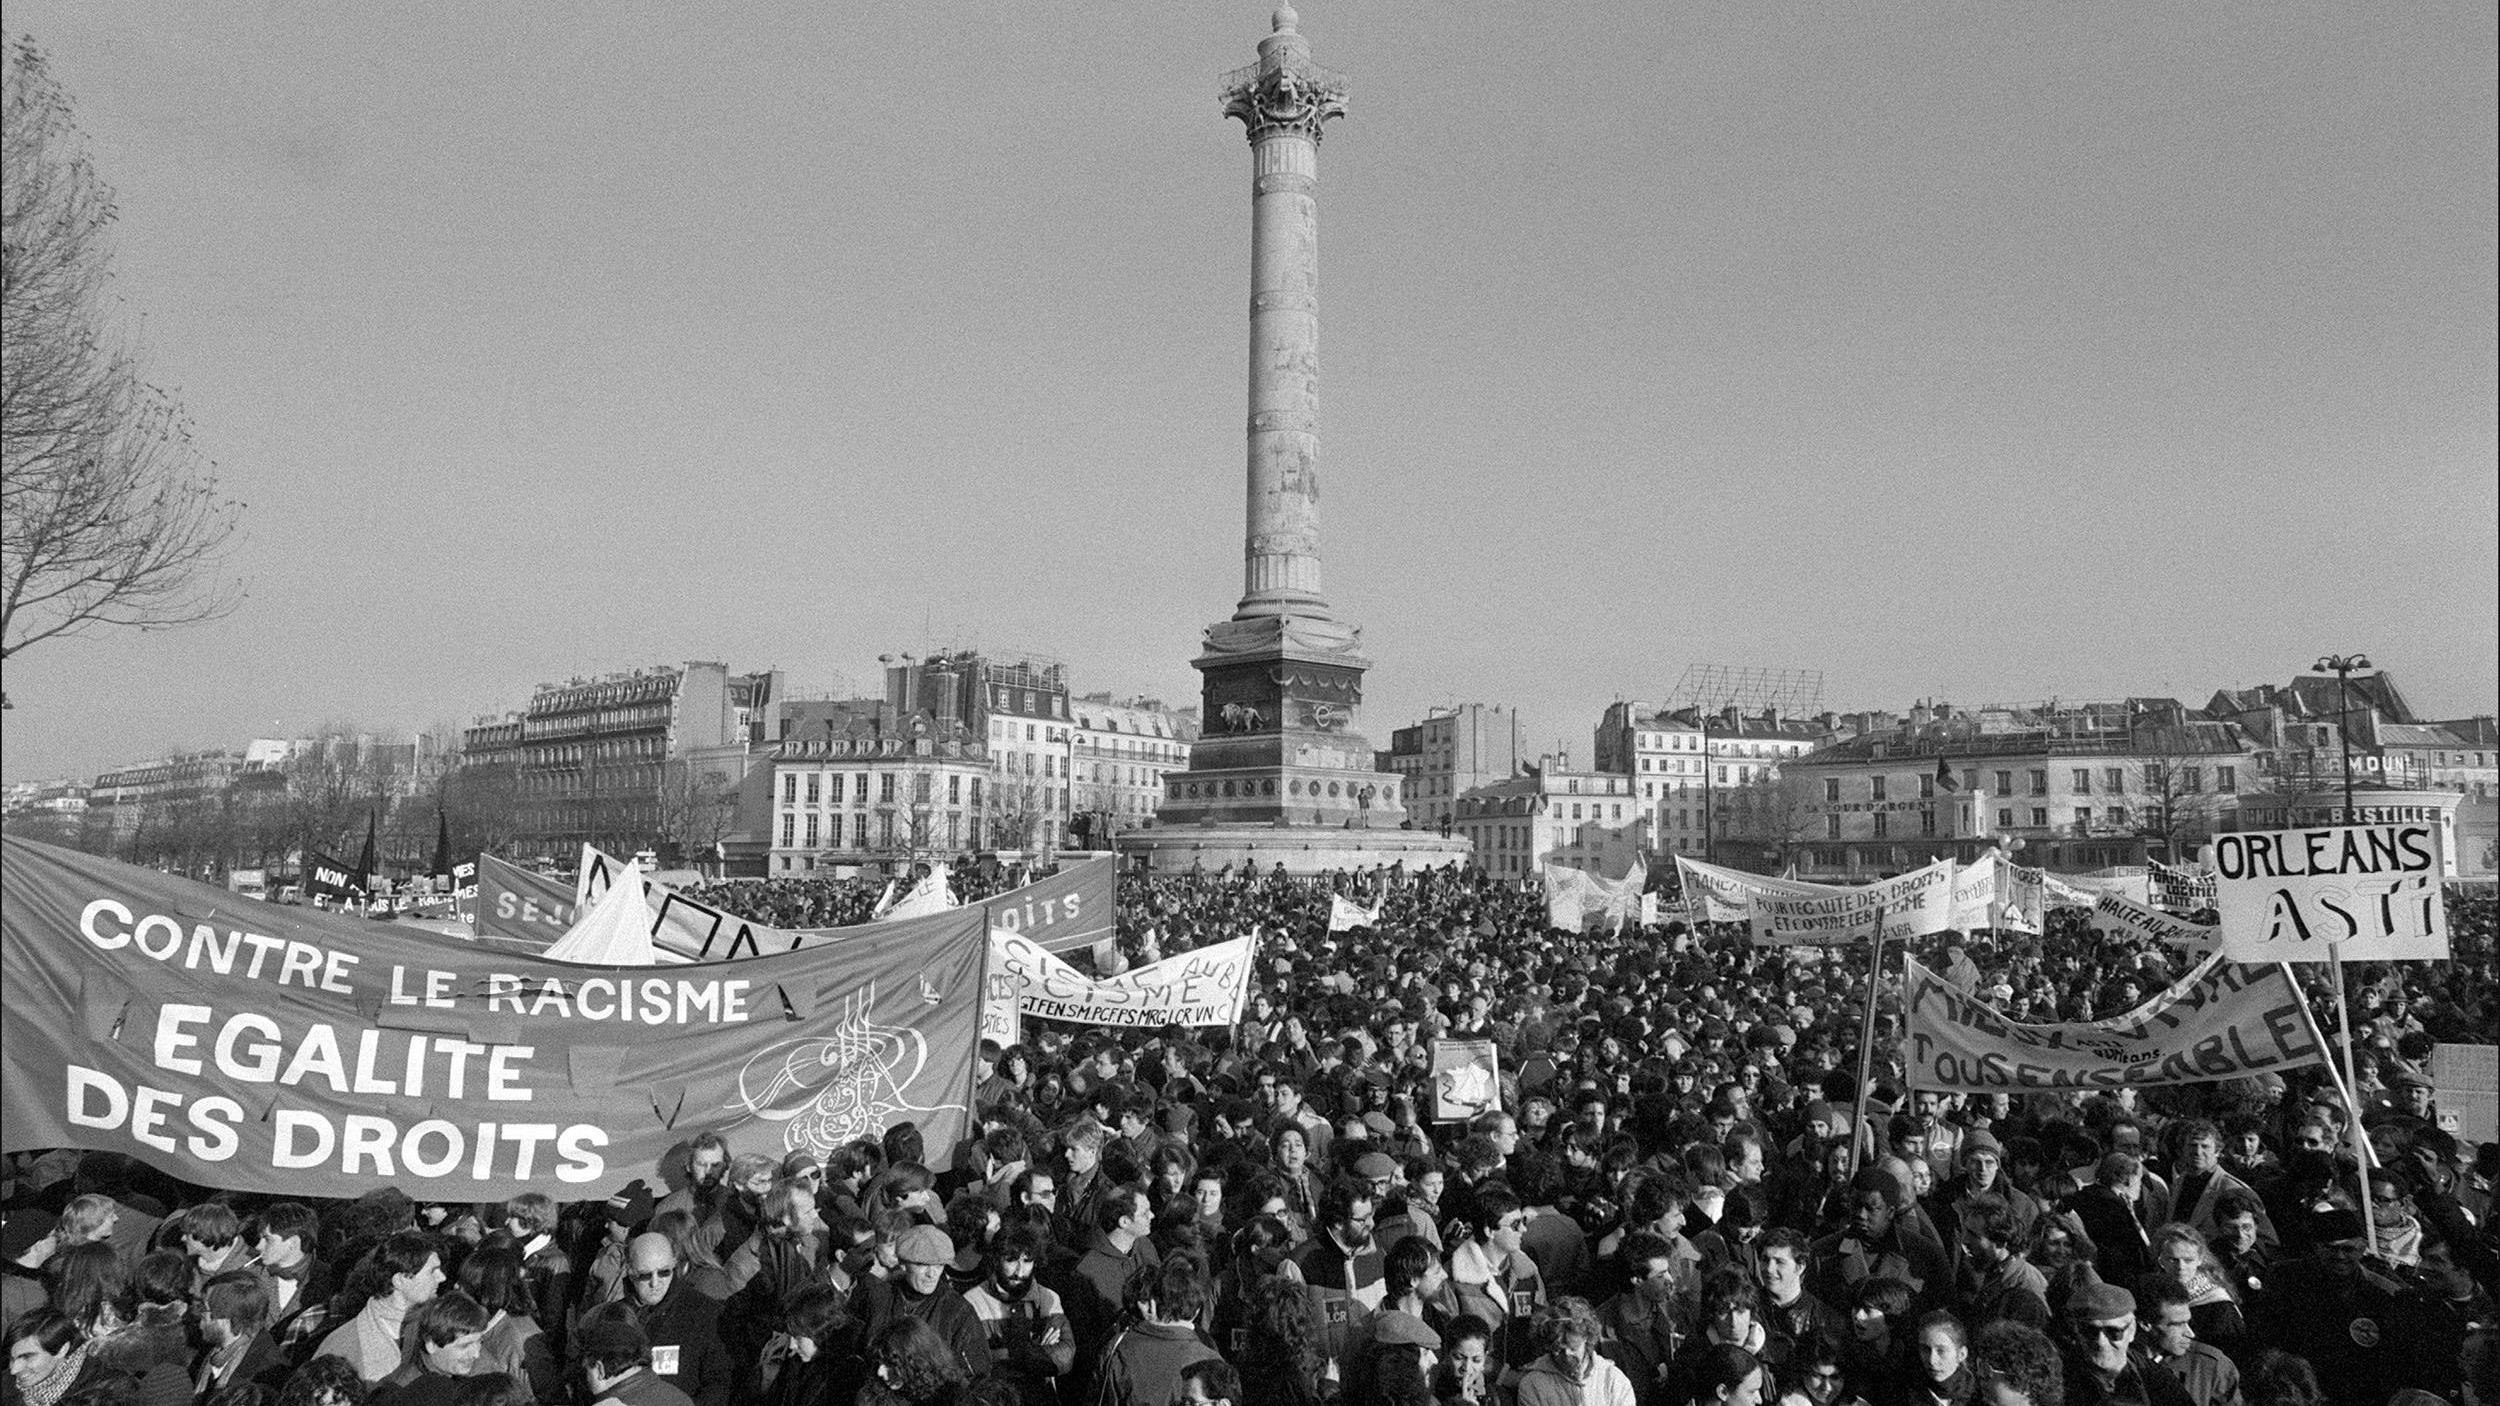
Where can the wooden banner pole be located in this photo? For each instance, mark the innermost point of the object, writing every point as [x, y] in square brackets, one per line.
[1858, 1130]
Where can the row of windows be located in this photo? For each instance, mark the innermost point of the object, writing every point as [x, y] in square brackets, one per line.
[2110, 779]
[852, 788]
[884, 827]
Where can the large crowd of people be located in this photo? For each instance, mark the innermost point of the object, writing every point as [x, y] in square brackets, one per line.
[1680, 1193]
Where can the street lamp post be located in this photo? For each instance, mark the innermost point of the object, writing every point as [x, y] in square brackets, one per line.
[2341, 666]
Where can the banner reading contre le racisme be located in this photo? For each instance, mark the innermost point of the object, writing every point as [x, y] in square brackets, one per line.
[251, 1047]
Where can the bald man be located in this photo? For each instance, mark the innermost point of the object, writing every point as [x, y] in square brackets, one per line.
[682, 1325]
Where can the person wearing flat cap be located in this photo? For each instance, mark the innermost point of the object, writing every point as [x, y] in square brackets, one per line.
[2102, 1367]
[919, 1290]
[2341, 1312]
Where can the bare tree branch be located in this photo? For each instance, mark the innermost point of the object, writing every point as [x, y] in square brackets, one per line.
[109, 514]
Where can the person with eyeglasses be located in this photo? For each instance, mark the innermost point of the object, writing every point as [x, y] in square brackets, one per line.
[681, 1325]
[2101, 1369]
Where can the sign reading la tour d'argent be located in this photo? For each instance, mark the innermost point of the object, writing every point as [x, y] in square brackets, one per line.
[2353, 893]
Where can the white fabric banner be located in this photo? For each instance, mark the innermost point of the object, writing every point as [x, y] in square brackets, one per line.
[1345, 915]
[1914, 905]
[1204, 987]
[2220, 1021]
[2022, 897]
[2120, 917]
[1727, 894]
[2353, 893]
[1975, 894]
[930, 895]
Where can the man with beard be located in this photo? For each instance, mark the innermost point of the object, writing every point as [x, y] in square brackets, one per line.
[707, 1180]
[234, 1330]
[1031, 1344]
[1876, 1244]
[920, 1291]
[679, 1324]
[1999, 1284]
[1340, 1270]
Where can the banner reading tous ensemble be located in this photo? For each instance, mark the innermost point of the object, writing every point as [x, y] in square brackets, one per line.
[251, 1047]
[2220, 1021]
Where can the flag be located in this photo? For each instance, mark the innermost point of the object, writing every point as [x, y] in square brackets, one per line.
[442, 845]
[365, 862]
[1944, 776]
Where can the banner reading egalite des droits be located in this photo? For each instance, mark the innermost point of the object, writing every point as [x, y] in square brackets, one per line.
[252, 1047]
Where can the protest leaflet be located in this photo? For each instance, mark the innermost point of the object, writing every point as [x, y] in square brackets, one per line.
[1466, 1079]
[290, 1052]
[2354, 893]
[2220, 1021]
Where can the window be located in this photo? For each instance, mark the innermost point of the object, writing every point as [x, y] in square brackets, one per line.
[2005, 818]
[2083, 781]
[885, 788]
[1722, 775]
[789, 830]
[2114, 779]
[1831, 788]
[2191, 778]
[2039, 782]
[811, 830]
[2083, 817]
[1927, 786]
[815, 785]
[1875, 787]
[859, 830]
[1883, 824]
[2226, 778]
[1831, 827]
[1575, 810]
[2005, 784]
[834, 786]
[2040, 816]
[954, 790]
[1970, 779]
[789, 788]
[2117, 815]
[1927, 822]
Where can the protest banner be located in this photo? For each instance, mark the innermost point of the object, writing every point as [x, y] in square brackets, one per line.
[519, 906]
[1345, 915]
[1974, 895]
[2177, 889]
[2022, 898]
[2467, 1078]
[2220, 1021]
[325, 877]
[292, 1053]
[2114, 916]
[1000, 1020]
[1913, 905]
[1728, 894]
[1466, 1079]
[1202, 987]
[1063, 912]
[2084, 890]
[2354, 893]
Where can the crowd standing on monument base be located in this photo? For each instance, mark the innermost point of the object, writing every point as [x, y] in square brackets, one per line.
[1657, 1208]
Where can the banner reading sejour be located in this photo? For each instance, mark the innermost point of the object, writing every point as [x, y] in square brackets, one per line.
[2220, 1021]
[254, 1048]
[1202, 987]
[1914, 905]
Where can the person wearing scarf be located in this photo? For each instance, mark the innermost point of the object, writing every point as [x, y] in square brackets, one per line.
[48, 1358]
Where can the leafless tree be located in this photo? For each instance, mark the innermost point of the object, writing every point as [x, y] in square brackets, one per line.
[698, 809]
[109, 514]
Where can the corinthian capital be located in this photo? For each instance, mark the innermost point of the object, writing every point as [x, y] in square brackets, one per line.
[1296, 96]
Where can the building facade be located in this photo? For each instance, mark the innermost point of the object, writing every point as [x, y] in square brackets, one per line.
[896, 792]
[2078, 787]
[1710, 780]
[1452, 751]
[1586, 820]
[1121, 750]
[595, 758]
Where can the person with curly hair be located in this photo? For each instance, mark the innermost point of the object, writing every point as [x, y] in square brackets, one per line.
[1568, 1369]
[324, 1381]
[2015, 1364]
[913, 1366]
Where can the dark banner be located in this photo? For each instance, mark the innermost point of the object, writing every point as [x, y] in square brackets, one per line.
[290, 1052]
[325, 877]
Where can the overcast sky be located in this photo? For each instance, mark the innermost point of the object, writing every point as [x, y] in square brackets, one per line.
[1981, 352]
